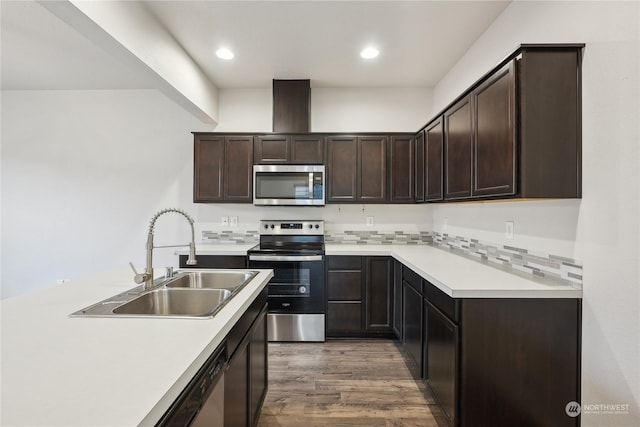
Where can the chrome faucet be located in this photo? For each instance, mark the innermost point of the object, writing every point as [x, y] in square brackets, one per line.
[147, 276]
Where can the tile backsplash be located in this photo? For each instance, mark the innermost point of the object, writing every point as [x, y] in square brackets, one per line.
[512, 259]
[377, 238]
[515, 260]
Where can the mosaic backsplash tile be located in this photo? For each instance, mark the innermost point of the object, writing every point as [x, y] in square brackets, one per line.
[377, 237]
[225, 236]
[515, 260]
[519, 261]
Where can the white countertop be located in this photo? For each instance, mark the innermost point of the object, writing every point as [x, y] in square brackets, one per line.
[58, 370]
[458, 276]
[455, 275]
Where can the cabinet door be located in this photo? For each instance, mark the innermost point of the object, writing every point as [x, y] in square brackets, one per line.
[307, 149]
[208, 167]
[271, 149]
[238, 169]
[372, 169]
[433, 142]
[342, 161]
[442, 360]
[421, 165]
[458, 142]
[495, 138]
[236, 388]
[379, 294]
[258, 371]
[413, 325]
[397, 300]
[402, 176]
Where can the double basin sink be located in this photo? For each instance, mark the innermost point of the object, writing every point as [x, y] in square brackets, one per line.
[192, 294]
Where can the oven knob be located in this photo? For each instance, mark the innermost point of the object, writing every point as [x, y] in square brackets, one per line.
[317, 226]
[273, 226]
[266, 226]
[302, 289]
[310, 226]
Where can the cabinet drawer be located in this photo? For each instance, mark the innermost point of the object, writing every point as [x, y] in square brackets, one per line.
[413, 278]
[344, 263]
[450, 307]
[344, 316]
[344, 285]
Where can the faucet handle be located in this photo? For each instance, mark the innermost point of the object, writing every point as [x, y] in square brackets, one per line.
[139, 277]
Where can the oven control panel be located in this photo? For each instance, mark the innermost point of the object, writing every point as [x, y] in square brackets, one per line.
[309, 227]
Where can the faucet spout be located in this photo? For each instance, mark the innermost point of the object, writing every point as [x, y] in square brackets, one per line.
[148, 273]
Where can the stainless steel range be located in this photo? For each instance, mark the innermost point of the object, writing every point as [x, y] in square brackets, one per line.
[295, 252]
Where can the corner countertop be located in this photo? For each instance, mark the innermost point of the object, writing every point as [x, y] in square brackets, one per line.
[458, 276]
[455, 275]
[58, 370]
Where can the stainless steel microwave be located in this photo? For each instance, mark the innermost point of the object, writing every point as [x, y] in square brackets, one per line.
[288, 185]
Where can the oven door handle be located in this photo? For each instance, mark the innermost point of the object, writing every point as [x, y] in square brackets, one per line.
[285, 257]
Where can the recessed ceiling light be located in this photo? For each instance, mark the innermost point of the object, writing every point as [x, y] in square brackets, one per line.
[224, 53]
[369, 52]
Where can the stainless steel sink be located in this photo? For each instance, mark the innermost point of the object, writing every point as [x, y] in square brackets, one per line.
[222, 279]
[175, 302]
[190, 293]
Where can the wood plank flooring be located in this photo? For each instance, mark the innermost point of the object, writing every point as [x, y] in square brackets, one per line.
[344, 383]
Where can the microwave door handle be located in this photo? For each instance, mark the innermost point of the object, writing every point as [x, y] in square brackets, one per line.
[311, 185]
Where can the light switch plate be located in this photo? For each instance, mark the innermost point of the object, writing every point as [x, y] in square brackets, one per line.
[225, 221]
[370, 221]
[234, 221]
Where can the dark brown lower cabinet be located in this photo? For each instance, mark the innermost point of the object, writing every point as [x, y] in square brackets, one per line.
[359, 296]
[493, 362]
[412, 325]
[258, 377]
[246, 375]
[236, 388]
[519, 362]
[441, 359]
[397, 300]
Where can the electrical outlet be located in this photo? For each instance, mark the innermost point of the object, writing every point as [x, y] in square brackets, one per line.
[370, 221]
[234, 221]
[509, 230]
[445, 225]
[225, 221]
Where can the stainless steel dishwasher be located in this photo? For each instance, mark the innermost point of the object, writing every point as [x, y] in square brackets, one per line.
[202, 401]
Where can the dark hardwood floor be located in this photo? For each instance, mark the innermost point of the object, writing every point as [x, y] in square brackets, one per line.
[344, 383]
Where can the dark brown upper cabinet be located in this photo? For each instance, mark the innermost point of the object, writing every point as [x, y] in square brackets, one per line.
[372, 169]
[420, 168]
[292, 149]
[458, 143]
[433, 152]
[516, 132]
[357, 169]
[222, 168]
[480, 140]
[429, 162]
[402, 169]
[494, 115]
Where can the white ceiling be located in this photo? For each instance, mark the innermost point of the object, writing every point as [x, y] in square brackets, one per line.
[319, 40]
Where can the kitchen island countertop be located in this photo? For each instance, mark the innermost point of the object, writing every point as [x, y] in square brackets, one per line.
[58, 370]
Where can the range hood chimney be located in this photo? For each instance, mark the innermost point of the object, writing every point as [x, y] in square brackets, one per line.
[291, 105]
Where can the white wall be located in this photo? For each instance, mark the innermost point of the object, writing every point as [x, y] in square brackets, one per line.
[82, 174]
[84, 171]
[603, 228]
[332, 109]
